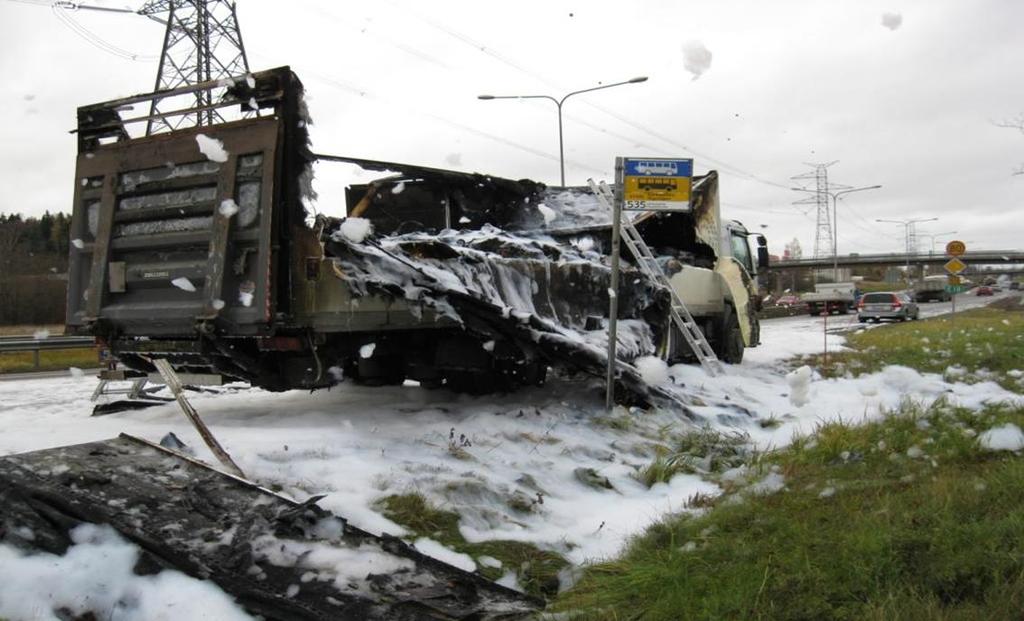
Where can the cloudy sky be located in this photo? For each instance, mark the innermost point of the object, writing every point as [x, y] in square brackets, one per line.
[901, 93]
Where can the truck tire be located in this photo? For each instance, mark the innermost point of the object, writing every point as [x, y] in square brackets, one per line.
[729, 346]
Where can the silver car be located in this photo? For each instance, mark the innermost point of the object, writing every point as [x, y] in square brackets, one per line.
[886, 305]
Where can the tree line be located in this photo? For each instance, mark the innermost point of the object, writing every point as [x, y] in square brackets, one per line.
[33, 268]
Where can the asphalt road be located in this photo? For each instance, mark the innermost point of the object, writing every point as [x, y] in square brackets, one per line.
[843, 323]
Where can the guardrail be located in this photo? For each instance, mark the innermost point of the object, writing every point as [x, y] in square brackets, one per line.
[34, 345]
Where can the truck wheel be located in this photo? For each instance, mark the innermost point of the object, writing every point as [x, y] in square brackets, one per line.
[730, 345]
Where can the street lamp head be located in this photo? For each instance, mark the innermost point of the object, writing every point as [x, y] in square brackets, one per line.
[638, 80]
[485, 97]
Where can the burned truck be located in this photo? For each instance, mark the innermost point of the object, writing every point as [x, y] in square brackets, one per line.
[196, 246]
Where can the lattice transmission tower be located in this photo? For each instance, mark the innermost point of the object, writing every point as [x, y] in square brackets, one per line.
[823, 239]
[202, 42]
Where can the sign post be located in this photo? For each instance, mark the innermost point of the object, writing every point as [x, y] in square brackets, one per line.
[954, 267]
[648, 184]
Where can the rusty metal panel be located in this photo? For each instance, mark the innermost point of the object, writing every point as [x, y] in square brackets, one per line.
[101, 250]
[219, 241]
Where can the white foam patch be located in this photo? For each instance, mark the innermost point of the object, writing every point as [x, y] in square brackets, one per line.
[652, 369]
[228, 208]
[354, 230]
[1005, 438]
[212, 148]
[95, 575]
[442, 553]
[184, 284]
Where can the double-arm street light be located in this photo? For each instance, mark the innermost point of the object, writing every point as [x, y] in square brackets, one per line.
[559, 102]
[932, 237]
[835, 221]
[908, 226]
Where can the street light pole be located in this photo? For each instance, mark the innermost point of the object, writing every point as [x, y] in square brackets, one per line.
[932, 236]
[907, 224]
[558, 103]
[835, 221]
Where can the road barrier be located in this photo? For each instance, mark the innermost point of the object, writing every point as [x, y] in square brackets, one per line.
[34, 345]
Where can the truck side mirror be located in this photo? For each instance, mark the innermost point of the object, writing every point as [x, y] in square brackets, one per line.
[762, 258]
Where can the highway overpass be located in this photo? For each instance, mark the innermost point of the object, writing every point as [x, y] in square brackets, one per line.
[973, 258]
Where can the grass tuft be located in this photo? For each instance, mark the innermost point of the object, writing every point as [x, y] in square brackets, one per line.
[704, 451]
[536, 569]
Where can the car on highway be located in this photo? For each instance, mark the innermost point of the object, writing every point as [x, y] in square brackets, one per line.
[881, 305]
[788, 300]
[984, 290]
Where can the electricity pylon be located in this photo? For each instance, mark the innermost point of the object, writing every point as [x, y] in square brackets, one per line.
[823, 240]
[202, 42]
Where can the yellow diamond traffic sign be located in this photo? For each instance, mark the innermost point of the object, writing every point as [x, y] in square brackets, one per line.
[955, 266]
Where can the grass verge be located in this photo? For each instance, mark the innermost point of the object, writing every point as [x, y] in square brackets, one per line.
[905, 518]
[537, 570]
[49, 360]
[977, 345]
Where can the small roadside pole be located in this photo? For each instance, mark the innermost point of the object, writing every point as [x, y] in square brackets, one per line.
[648, 184]
[174, 383]
[954, 267]
[824, 332]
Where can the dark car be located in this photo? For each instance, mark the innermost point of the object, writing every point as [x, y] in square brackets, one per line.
[984, 290]
[886, 305]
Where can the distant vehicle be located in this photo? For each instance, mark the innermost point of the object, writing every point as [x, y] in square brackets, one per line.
[831, 297]
[788, 300]
[984, 290]
[1014, 286]
[887, 305]
[932, 288]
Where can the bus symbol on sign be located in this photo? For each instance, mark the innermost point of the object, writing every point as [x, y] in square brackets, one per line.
[668, 169]
[956, 248]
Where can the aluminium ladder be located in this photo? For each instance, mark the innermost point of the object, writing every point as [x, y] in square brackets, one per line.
[648, 264]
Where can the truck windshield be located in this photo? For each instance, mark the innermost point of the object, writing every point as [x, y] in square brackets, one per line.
[741, 251]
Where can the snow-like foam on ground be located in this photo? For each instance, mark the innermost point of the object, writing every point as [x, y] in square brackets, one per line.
[96, 575]
[517, 478]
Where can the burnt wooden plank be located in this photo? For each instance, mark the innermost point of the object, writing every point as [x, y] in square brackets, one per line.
[187, 516]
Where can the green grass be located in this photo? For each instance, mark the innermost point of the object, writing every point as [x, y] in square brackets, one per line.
[703, 451]
[864, 530]
[537, 570]
[49, 360]
[906, 517]
[981, 344]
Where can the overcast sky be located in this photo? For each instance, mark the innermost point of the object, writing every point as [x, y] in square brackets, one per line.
[904, 94]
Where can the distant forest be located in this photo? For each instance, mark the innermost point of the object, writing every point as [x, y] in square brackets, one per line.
[33, 268]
